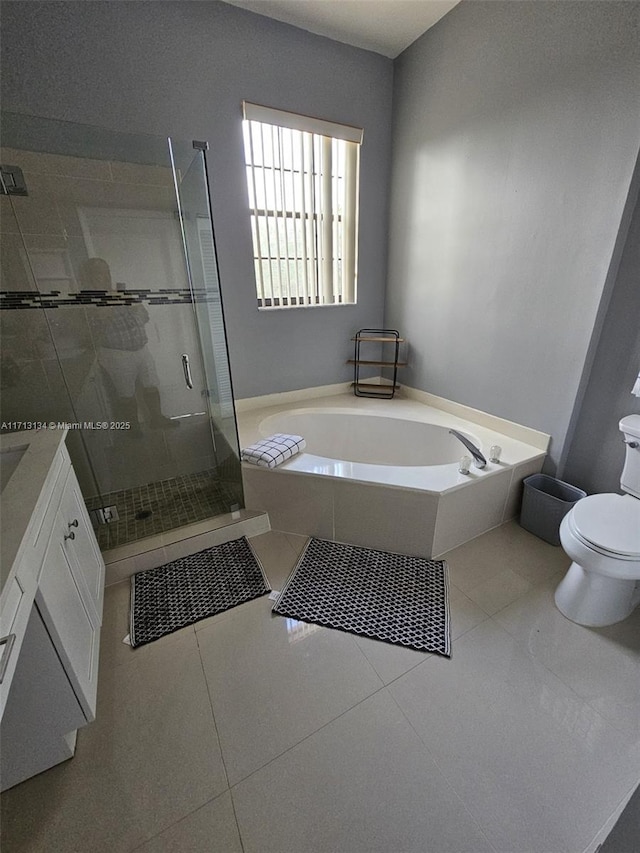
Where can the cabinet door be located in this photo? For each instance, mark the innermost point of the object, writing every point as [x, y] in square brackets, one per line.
[82, 549]
[70, 625]
[42, 709]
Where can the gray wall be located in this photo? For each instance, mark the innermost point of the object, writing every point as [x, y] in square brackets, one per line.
[516, 127]
[596, 453]
[182, 69]
[516, 130]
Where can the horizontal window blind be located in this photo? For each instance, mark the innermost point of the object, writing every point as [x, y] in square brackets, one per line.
[302, 179]
[296, 121]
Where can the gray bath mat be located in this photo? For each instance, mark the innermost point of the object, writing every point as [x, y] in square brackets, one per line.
[392, 597]
[189, 589]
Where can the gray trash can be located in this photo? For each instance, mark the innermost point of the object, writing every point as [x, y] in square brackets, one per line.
[545, 503]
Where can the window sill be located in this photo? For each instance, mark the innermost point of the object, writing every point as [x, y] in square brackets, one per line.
[268, 308]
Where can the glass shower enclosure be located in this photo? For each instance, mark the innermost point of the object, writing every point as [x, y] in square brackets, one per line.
[112, 321]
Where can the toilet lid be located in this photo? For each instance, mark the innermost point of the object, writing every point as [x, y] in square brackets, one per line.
[612, 522]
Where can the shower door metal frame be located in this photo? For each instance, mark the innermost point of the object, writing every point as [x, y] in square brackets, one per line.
[203, 147]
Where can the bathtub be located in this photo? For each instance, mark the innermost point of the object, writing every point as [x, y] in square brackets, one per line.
[366, 439]
[384, 474]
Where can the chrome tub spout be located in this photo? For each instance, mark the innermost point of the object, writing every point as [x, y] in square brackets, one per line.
[478, 459]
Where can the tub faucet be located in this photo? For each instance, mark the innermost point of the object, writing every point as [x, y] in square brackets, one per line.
[478, 459]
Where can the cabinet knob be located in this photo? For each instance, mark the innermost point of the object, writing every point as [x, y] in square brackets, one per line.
[73, 523]
[71, 535]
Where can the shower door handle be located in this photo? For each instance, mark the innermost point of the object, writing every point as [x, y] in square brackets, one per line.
[7, 642]
[187, 370]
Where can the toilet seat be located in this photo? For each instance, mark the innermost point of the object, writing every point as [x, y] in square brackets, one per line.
[608, 524]
[586, 543]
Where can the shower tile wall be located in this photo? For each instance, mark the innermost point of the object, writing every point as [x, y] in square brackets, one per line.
[32, 383]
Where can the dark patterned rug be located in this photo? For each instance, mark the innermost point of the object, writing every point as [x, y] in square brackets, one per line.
[400, 599]
[189, 589]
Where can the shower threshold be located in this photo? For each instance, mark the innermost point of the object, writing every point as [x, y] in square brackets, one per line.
[161, 548]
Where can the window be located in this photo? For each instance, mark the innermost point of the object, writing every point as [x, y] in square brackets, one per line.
[302, 178]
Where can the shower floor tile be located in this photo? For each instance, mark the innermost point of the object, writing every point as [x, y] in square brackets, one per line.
[157, 507]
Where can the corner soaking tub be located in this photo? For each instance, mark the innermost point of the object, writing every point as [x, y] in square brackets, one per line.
[384, 479]
[370, 440]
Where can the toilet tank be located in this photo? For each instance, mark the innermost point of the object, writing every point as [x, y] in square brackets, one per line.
[630, 478]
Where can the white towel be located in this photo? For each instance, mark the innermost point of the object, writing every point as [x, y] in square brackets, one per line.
[273, 450]
[636, 388]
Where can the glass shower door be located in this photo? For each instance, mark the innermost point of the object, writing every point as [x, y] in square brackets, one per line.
[103, 323]
[190, 174]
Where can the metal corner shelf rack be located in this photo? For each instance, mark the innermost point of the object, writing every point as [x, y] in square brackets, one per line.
[375, 336]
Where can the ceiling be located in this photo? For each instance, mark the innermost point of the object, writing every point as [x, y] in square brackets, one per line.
[383, 26]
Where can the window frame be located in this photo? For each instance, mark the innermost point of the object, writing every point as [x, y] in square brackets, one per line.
[303, 176]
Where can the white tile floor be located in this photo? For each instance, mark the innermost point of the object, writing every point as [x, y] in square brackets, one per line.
[254, 733]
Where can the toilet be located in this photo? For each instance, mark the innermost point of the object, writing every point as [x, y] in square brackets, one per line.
[601, 534]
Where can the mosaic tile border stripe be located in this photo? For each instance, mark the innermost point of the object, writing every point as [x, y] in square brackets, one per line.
[25, 299]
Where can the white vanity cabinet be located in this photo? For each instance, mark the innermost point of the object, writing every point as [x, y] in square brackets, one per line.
[51, 608]
[70, 611]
